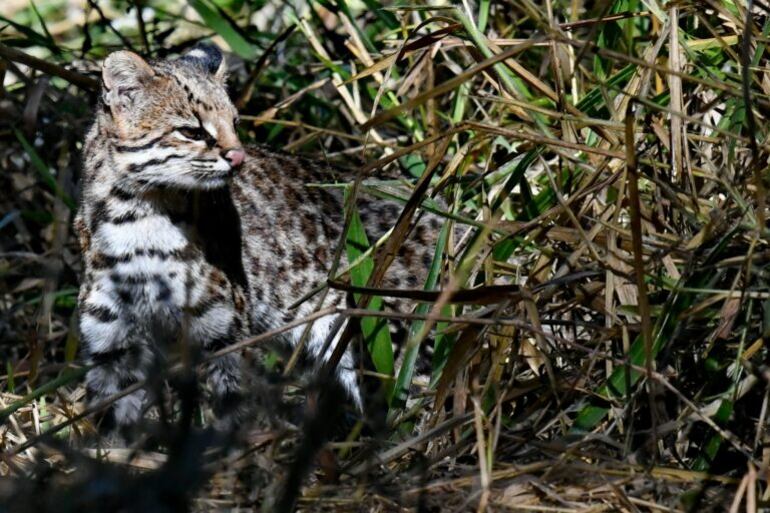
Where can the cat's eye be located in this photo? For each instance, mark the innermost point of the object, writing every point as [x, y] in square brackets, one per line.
[195, 133]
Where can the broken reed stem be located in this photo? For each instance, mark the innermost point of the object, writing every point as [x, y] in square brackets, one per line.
[636, 235]
[632, 177]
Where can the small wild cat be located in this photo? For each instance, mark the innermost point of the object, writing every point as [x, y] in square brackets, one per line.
[167, 188]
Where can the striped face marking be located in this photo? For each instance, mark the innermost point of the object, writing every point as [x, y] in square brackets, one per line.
[173, 123]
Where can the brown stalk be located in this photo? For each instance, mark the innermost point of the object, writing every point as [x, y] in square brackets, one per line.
[636, 239]
[82, 81]
[539, 139]
[449, 85]
[621, 57]
[262, 62]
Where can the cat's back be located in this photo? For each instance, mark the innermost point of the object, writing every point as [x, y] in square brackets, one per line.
[288, 228]
[292, 214]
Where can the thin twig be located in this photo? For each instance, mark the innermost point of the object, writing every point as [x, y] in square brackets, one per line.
[82, 81]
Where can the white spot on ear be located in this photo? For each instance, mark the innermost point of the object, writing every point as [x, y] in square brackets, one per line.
[197, 54]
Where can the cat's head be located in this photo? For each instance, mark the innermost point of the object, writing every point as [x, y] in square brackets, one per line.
[172, 120]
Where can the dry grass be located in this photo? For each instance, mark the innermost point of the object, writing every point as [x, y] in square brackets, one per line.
[603, 187]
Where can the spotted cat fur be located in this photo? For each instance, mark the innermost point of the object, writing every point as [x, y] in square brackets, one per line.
[187, 235]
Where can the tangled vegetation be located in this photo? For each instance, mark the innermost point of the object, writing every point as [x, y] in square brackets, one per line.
[592, 333]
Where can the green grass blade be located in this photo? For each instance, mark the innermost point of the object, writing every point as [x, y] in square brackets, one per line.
[67, 376]
[219, 24]
[45, 173]
[412, 349]
[375, 330]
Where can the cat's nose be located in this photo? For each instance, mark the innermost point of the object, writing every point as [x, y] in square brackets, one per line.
[235, 156]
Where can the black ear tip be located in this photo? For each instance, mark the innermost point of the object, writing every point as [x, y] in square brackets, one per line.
[204, 55]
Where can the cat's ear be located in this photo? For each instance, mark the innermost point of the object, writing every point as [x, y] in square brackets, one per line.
[209, 59]
[125, 71]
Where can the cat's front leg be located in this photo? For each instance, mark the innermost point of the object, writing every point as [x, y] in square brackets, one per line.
[119, 356]
[217, 319]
